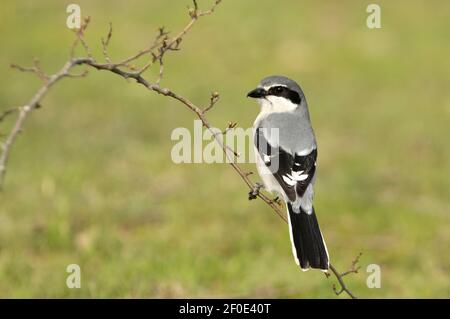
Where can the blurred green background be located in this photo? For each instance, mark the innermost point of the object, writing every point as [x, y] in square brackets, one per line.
[91, 180]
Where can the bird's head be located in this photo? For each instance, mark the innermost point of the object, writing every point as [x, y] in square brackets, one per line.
[278, 93]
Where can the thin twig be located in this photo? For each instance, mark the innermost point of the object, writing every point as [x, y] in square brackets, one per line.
[7, 112]
[25, 110]
[161, 70]
[36, 69]
[105, 44]
[80, 35]
[212, 101]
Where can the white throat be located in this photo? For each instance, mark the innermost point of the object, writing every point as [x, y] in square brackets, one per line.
[276, 104]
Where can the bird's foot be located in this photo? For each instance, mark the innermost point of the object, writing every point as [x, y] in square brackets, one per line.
[276, 200]
[253, 194]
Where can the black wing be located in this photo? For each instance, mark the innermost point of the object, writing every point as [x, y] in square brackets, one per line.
[293, 173]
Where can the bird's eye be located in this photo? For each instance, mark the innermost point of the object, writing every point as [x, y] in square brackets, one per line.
[276, 90]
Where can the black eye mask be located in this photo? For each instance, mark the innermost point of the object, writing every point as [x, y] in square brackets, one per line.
[285, 92]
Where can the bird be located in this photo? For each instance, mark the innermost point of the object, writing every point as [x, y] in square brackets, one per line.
[286, 158]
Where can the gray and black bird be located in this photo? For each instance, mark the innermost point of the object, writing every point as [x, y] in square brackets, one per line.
[286, 157]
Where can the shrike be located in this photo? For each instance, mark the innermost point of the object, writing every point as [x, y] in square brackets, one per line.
[286, 154]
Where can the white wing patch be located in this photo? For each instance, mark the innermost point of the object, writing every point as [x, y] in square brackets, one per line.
[299, 176]
[294, 177]
[289, 180]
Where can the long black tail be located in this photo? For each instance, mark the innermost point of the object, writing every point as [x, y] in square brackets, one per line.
[308, 246]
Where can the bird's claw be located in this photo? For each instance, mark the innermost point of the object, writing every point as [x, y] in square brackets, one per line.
[276, 200]
[253, 194]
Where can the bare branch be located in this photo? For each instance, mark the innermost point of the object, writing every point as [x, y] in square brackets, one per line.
[36, 69]
[155, 44]
[80, 35]
[212, 101]
[354, 268]
[105, 44]
[25, 110]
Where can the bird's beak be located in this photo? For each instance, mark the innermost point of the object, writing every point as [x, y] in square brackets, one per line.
[257, 93]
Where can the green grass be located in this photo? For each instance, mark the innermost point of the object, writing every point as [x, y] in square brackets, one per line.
[91, 181]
